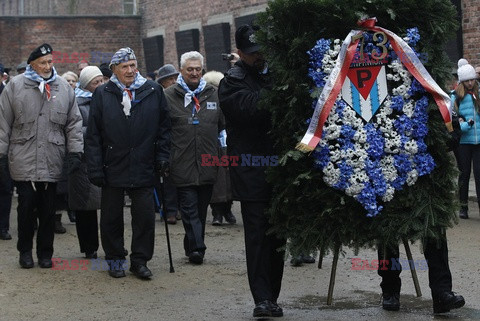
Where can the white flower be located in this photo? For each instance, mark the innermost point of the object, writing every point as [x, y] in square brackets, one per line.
[354, 189]
[335, 156]
[411, 147]
[360, 136]
[389, 193]
[331, 174]
[412, 177]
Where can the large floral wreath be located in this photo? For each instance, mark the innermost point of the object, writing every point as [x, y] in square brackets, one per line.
[371, 160]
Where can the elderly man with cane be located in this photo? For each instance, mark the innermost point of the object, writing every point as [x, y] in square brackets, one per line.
[127, 141]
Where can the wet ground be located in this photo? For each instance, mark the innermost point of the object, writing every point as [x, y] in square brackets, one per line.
[218, 289]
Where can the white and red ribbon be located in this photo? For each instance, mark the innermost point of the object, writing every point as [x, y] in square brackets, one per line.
[337, 77]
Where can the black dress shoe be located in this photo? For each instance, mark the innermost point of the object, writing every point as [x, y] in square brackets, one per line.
[446, 301]
[230, 218]
[141, 271]
[4, 235]
[195, 257]
[116, 273]
[263, 309]
[391, 301]
[297, 261]
[45, 263]
[308, 259]
[276, 310]
[91, 255]
[171, 220]
[463, 213]
[217, 220]
[26, 260]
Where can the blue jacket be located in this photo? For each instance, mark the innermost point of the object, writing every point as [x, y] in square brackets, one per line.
[467, 110]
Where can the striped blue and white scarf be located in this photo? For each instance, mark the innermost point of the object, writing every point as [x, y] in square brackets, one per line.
[190, 94]
[128, 93]
[43, 86]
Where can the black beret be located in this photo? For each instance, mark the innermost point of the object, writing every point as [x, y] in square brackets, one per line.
[245, 39]
[105, 69]
[41, 51]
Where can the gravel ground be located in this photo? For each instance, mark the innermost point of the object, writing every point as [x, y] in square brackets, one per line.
[218, 289]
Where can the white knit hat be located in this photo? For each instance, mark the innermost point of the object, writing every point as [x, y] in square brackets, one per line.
[87, 74]
[462, 62]
[466, 72]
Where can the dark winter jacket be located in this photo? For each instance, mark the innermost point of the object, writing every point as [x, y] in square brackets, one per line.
[122, 149]
[83, 195]
[189, 141]
[247, 131]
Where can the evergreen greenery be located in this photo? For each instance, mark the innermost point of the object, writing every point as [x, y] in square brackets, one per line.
[306, 211]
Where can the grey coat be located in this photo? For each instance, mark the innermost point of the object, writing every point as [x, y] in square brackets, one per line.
[36, 133]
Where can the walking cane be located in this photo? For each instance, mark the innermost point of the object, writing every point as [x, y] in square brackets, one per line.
[162, 190]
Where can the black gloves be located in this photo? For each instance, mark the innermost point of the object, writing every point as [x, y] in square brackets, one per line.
[97, 181]
[162, 168]
[73, 162]
[4, 168]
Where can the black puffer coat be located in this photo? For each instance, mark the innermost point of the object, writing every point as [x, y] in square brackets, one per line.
[122, 149]
[247, 131]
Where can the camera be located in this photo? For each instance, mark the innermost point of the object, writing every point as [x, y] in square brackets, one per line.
[226, 56]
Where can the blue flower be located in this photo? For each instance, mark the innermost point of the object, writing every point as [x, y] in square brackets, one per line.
[322, 156]
[416, 88]
[375, 141]
[424, 163]
[397, 103]
[413, 36]
[345, 173]
[403, 124]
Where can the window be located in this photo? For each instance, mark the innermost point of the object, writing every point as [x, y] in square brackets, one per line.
[129, 7]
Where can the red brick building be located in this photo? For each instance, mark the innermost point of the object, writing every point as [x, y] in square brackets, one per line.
[158, 31]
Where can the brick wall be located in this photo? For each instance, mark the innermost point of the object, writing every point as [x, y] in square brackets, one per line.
[61, 7]
[168, 16]
[471, 31]
[69, 35]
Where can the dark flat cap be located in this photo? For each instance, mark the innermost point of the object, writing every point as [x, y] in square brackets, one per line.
[40, 51]
[245, 39]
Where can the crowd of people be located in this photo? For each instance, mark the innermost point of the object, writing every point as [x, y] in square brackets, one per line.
[105, 131]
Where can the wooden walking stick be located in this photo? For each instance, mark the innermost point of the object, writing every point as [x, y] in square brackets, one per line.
[332, 274]
[412, 268]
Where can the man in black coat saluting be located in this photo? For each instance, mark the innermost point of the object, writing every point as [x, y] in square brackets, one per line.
[248, 142]
[128, 137]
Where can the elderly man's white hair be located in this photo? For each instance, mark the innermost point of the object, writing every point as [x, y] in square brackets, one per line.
[195, 55]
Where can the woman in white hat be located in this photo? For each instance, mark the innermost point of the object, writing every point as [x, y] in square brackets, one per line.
[465, 100]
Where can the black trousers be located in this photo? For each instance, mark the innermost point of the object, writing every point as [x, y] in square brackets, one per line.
[6, 193]
[264, 263]
[466, 155]
[42, 197]
[439, 276]
[87, 230]
[143, 223]
[193, 202]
